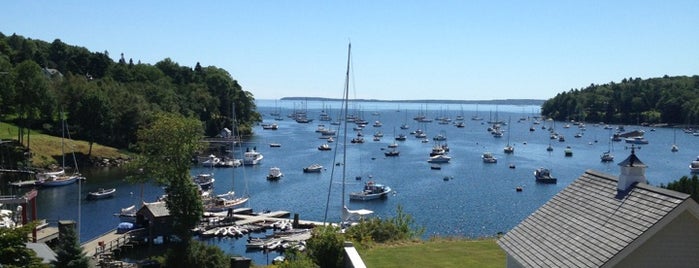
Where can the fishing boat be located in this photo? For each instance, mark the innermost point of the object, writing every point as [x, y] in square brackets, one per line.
[275, 173]
[371, 191]
[101, 193]
[543, 175]
[314, 168]
[489, 158]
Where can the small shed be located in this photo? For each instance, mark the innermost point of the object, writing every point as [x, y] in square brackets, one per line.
[155, 218]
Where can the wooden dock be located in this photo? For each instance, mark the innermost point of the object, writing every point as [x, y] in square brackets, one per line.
[107, 243]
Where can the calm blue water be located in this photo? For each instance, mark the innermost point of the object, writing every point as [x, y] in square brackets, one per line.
[480, 200]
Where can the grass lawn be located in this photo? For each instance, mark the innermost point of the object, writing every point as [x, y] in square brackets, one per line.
[46, 149]
[439, 252]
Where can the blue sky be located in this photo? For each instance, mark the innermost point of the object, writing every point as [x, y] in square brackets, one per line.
[470, 50]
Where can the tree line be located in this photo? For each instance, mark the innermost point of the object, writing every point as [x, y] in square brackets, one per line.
[107, 101]
[670, 100]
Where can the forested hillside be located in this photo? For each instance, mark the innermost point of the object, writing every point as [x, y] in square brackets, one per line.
[671, 100]
[106, 101]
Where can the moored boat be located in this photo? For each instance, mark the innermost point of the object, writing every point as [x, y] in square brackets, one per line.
[568, 151]
[314, 168]
[442, 158]
[252, 157]
[275, 173]
[489, 158]
[371, 191]
[694, 166]
[204, 180]
[101, 193]
[543, 175]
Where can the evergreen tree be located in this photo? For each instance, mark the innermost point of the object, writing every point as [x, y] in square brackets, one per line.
[68, 252]
[13, 250]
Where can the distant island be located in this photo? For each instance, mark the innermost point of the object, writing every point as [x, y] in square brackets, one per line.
[503, 102]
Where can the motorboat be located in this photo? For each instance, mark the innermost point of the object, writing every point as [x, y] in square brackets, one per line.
[568, 151]
[252, 157]
[229, 162]
[401, 137]
[275, 145]
[607, 157]
[204, 180]
[314, 168]
[694, 166]
[488, 157]
[437, 149]
[636, 140]
[127, 214]
[442, 158]
[392, 152]
[275, 173]
[371, 191]
[211, 161]
[324, 147]
[272, 126]
[543, 175]
[101, 193]
[224, 202]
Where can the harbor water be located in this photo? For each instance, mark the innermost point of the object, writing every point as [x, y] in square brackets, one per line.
[466, 197]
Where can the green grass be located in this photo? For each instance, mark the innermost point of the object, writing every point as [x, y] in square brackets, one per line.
[438, 252]
[46, 149]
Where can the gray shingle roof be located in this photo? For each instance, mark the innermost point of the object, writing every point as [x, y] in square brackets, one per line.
[158, 209]
[588, 222]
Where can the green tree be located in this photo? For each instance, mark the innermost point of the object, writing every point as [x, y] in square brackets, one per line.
[92, 114]
[326, 246]
[69, 253]
[13, 250]
[685, 185]
[32, 92]
[198, 255]
[166, 145]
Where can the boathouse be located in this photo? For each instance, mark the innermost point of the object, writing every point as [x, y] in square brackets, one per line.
[156, 219]
[601, 220]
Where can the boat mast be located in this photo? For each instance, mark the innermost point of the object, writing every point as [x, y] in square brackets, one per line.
[344, 145]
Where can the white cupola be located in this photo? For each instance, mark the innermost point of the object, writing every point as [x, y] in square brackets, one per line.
[632, 171]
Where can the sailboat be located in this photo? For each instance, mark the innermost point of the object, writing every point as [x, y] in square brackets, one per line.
[60, 178]
[509, 149]
[405, 121]
[348, 215]
[607, 156]
[674, 147]
[229, 200]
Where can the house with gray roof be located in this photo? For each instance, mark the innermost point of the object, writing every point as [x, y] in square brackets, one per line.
[601, 220]
[155, 218]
